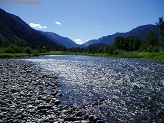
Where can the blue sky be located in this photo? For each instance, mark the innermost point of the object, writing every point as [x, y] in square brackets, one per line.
[82, 20]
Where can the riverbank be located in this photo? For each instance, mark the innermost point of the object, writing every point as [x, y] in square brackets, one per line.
[9, 55]
[27, 95]
[139, 55]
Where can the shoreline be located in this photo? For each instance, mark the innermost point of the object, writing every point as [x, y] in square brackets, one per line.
[27, 95]
[133, 55]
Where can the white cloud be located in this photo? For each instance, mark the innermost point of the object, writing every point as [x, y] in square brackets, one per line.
[57, 23]
[33, 25]
[79, 41]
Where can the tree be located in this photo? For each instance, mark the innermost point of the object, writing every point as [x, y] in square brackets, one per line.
[91, 49]
[136, 43]
[160, 25]
[120, 43]
[28, 50]
[151, 38]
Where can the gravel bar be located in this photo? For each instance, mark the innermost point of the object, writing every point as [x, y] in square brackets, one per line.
[27, 95]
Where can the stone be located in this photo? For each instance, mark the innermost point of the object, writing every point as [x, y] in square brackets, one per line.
[84, 121]
[100, 121]
[77, 122]
[91, 117]
[79, 113]
[59, 95]
[12, 106]
[49, 107]
[69, 119]
[14, 90]
[57, 102]
[22, 98]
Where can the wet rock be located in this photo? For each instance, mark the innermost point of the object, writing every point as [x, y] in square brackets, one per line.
[96, 119]
[69, 119]
[79, 114]
[57, 102]
[12, 106]
[100, 121]
[92, 117]
[59, 95]
[14, 90]
[77, 121]
[23, 97]
[48, 107]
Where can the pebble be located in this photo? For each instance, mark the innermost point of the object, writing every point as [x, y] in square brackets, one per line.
[23, 97]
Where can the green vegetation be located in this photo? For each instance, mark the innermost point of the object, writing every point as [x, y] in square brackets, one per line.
[53, 53]
[18, 39]
[20, 49]
[152, 47]
[13, 55]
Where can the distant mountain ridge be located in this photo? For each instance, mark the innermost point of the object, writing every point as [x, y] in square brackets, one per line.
[140, 31]
[13, 28]
[68, 43]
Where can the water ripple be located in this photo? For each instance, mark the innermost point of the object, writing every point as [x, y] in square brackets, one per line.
[123, 89]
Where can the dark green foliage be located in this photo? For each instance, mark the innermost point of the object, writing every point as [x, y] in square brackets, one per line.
[35, 52]
[151, 38]
[27, 50]
[9, 50]
[120, 43]
[13, 49]
[130, 43]
[160, 25]
[100, 50]
[92, 49]
[110, 49]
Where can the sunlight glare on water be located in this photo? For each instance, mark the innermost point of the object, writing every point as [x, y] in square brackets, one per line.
[110, 88]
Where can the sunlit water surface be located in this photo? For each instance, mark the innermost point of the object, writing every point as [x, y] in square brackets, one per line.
[111, 88]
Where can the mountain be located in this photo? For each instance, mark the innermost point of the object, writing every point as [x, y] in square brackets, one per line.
[140, 31]
[13, 28]
[93, 41]
[68, 43]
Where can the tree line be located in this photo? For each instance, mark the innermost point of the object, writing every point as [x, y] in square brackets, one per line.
[151, 43]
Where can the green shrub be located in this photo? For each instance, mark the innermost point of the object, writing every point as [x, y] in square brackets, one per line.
[27, 50]
[35, 52]
[9, 50]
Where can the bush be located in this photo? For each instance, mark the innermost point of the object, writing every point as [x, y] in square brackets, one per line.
[13, 49]
[35, 52]
[27, 50]
[150, 48]
[9, 50]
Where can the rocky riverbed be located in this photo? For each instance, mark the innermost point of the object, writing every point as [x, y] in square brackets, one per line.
[27, 95]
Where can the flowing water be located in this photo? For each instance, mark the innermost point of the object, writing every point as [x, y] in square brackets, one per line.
[114, 89]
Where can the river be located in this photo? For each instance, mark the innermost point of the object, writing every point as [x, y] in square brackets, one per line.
[114, 89]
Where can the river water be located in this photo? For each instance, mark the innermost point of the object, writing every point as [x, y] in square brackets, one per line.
[114, 89]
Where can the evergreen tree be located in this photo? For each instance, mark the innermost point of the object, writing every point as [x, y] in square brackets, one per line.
[151, 38]
[160, 25]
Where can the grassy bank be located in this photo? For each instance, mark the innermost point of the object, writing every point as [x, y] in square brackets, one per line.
[53, 53]
[144, 55]
[6, 55]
